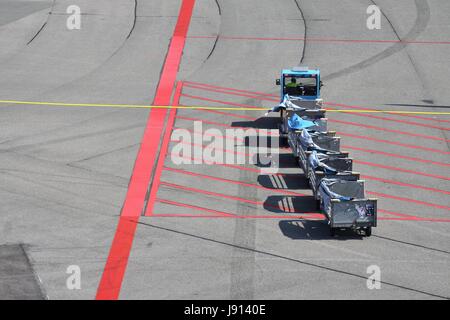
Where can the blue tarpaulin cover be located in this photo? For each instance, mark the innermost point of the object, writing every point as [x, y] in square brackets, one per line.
[315, 161]
[326, 192]
[297, 123]
[284, 104]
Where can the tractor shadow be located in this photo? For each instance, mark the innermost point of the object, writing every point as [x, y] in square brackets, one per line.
[260, 123]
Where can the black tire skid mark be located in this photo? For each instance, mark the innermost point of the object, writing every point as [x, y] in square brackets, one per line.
[423, 17]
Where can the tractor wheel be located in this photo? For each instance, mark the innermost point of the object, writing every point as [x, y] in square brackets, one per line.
[332, 231]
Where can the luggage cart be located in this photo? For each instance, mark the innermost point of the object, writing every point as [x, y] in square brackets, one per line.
[345, 206]
[303, 143]
[320, 166]
[317, 116]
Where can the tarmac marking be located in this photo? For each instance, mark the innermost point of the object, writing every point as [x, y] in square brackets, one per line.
[250, 185]
[224, 91]
[395, 143]
[263, 96]
[381, 195]
[111, 281]
[436, 163]
[371, 164]
[250, 107]
[242, 108]
[364, 113]
[368, 177]
[393, 112]
[410, 134]
[232, 89]
[163, 153]
[428, 204]
[221, 214]
[179, 204]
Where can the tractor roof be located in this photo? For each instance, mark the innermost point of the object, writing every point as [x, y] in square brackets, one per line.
[301, 71]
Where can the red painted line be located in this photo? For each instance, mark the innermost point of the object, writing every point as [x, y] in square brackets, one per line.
[250, 185]
[407, 217]
[174, 215]
[268, 131]
[397, 182]
[394, 155]
[225, 91]
[418, 219]
[402, 170]
[221, 214]
[232, 89]
[366, 126]
[248, 155]
[179, 204]
[410, 146]
[320, 40]
[260, 95]
[233, 93]
[168, 215]
[362, 149]
[163, 153]
[211, 134]
[392, 114]
[220, 101]
[111, 281]
[428, 204]
[116, 264]
[211, 193]
[402, 184]
[276, 190]
[411, 123]
[221, 195]
[222, 164]
[240, 116]
[365, 176]
[381, 195]
[332, 120]
[380, 179]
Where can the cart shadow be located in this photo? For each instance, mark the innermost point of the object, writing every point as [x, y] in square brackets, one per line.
[282, 161]
[313, 230]
[291, 204]
[264, 142]
[286, 181]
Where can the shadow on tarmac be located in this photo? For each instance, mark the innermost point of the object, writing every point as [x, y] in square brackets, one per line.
[313, 230]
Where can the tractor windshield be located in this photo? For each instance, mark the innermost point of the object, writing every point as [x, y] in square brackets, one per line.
[300, 86]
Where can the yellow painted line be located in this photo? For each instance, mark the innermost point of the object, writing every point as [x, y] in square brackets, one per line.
[135, 106]
[388, 111]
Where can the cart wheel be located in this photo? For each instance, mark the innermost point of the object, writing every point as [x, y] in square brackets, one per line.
[332, 232]
[368, 231]
[319, 204]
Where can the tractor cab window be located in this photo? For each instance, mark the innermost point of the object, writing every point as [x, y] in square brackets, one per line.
[300, 86]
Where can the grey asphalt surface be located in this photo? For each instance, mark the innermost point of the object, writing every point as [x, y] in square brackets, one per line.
[65, 171]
